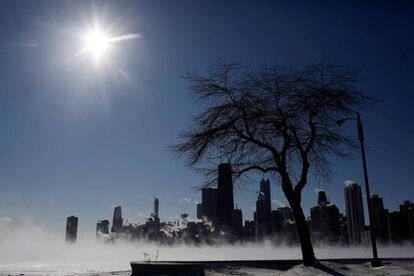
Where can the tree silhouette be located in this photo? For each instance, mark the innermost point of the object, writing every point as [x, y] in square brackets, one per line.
[278, 120]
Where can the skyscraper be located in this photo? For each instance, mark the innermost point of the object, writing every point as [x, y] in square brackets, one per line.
[354, 212]
[263, 208]
[325, 223]
[276, 221]
[209, 203]
[199, 211]
[102, 226]
[380, 218]
[156, 208]
[398, 227]
[237, 222]
[344, 228]
[265, 190]
[71, 228]
[153, 223]
[261, 220]
[249, 230]
[225, 202]
[402, 223]
[117, 220]
[407, 211]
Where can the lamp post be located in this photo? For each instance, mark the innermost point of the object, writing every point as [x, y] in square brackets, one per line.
[375, 260]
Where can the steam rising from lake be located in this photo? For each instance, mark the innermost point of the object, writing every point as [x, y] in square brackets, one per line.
[34, 249]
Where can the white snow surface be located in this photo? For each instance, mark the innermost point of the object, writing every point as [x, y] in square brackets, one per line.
[329, 268]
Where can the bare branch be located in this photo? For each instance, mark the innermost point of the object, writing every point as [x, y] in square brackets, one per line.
[279, 119]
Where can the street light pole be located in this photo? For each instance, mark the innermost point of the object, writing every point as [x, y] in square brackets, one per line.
[375, 261]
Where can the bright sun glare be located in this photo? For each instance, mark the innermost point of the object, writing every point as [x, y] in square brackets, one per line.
[97, 44]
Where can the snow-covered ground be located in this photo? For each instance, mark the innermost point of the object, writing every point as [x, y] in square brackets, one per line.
[324, 268]
[95, 256]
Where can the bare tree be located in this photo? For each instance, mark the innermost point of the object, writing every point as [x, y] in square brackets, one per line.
[278, 120]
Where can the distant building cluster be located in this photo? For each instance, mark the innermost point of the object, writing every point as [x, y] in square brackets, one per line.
[218, 220]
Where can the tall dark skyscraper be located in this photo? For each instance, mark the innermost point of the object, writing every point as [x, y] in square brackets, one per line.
[102, 226]
[265, 190]
[156, 208]
[354, 212]
[209, 203]
[225, 202]
[71, 228]
[263, 208]
[237, 222]
[261, 219]
[153, 223]
[117, 220]
[380, 218]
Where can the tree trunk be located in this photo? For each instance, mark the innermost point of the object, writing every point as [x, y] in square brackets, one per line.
[302, 227]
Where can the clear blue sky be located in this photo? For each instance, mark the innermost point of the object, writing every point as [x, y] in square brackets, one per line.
[79, 139]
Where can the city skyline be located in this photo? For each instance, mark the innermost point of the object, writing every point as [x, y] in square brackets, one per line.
[143, 217]
[327, 223]
[71, 147]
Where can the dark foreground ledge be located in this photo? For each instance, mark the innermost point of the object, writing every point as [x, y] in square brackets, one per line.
[167, 268]
[197, 268]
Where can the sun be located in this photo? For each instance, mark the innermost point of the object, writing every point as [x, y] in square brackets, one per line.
[97, 44]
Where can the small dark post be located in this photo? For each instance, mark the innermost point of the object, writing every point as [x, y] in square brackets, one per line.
[375, 261]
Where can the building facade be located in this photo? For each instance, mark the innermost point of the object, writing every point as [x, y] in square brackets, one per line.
[209, 204]
[354, 212]
[71, 229]
[263, 209]
[380, 218]
[225, 201]
[325, 220]
[199, 210]
[407, 211]
[117, 220]
[237, 223]
[102, 226]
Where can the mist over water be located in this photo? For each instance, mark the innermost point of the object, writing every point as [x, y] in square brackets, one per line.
[32, 248]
